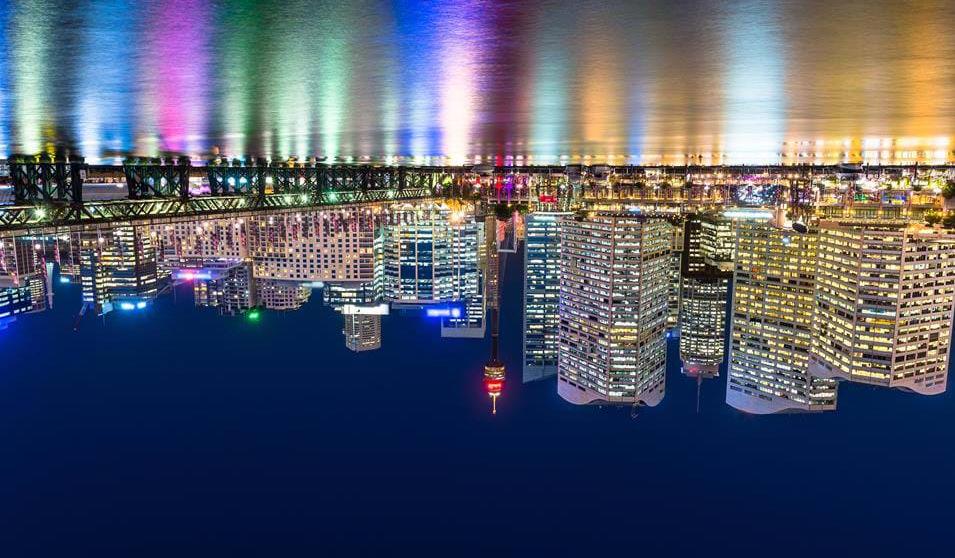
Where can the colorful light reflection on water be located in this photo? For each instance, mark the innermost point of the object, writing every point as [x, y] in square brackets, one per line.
[531, 81]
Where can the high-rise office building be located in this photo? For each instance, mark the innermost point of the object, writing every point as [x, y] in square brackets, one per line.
[492, 263]
[717, 241]
[541, 290]
[673, 275]
[430, 255]
[772, 308]
[468, 278]
[613, 308]
[703, 301]
[885, 293]
[118, 265]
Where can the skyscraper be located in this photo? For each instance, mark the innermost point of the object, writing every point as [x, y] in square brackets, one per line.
[467, 241]
[430, 255]
[673, 275]
[885, 293]
[118, 265]
[717, 241]
[541, 289]
[613, 308]
[704, 293]
[774, 282]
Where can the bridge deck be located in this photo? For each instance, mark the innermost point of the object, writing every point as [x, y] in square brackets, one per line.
[17, 220]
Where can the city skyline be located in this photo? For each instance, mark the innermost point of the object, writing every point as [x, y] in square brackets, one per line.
[244, 265]
[476, 277]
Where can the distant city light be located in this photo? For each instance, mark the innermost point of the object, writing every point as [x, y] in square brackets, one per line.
[748, 214]
[377, 310]
[192, 274]
[444, 312]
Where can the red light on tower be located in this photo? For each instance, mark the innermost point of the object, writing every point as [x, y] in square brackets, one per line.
[494, 382]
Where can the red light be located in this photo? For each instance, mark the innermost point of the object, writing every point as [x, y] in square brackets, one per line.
[547, 199]
[494, 386]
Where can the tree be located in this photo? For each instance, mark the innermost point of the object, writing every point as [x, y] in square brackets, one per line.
[933, 218]
[949, 220]
[948, 191]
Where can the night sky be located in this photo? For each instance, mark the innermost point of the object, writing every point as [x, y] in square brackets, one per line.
[181, 429]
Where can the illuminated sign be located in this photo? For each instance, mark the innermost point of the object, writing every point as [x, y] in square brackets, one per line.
[445, 312]
[192, 274]
[546, 199]
[748, 214]
[127, 306]
[377, 310]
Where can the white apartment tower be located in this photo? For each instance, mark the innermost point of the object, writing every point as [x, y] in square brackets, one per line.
[613, 308]
[885, 293]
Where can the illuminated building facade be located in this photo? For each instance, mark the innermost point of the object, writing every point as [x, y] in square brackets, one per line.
[117, 265]
[717, 243]
[430, 255]
[327, 245]
[206, 238]
[492, 262]
[613, 308]
[703, 300]
[23, 264]
[194, 242]
[541, 290]
[361, 308]
[673, 276]
[885, 293]
[362, 332]
[468, 242]
[230, 288]
[13, 301]
[772, 310]
[281, 295]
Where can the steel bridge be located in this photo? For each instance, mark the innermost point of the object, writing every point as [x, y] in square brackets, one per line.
[48, 190]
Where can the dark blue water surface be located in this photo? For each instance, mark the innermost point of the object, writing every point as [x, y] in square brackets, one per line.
[181, 432]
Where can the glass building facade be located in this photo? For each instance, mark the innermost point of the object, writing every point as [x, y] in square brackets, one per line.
[541, 289]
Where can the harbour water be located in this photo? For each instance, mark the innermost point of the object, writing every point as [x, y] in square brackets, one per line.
[683, 81]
